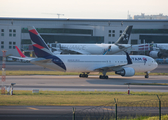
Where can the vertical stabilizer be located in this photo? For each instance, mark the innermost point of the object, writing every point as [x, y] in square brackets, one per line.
[124, 38]
[20, 53]
[40, 47]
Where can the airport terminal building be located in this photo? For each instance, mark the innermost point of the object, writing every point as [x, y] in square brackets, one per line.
[14, 32]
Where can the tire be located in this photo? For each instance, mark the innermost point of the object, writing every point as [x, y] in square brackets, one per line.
[106, 77]
[146, 76]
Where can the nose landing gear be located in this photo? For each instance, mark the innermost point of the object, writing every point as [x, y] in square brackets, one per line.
[147, 74]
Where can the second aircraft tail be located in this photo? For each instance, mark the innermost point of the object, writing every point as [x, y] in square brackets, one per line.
[124, 38]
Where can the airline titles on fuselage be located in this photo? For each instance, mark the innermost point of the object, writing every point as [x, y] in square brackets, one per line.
[138, 59]
[77, 47]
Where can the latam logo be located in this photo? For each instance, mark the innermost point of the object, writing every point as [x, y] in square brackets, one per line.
[139, 59]
[144, 59]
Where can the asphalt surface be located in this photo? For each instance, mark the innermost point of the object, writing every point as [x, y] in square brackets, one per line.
[66, 112]
[92, 83]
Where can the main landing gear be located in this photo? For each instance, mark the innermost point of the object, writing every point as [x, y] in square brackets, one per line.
[104, 76]
[84, 75]
[147, 74]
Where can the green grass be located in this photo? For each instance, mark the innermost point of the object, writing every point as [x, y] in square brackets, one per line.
[146, 83]
[163, 117]
[11, 73]
[80, 98]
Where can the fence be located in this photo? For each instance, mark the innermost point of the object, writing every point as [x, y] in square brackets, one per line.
[118, 110]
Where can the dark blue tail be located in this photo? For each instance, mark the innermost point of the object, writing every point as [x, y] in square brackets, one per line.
[42, 50]
[39, 45]
[124, 38]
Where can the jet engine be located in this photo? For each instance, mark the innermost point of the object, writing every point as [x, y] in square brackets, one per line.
[155, 54]
[127, 72]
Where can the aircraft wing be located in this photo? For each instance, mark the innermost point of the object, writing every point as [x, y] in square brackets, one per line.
[114, 67]
[109, 68]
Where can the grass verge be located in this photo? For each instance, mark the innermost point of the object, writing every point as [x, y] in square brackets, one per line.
[11, 73]
[81, 98]
[164, 117]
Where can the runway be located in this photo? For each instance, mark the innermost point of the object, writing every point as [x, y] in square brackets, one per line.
[92, 83]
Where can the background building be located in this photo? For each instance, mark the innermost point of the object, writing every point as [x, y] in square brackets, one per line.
[151, 17]
[13, 31]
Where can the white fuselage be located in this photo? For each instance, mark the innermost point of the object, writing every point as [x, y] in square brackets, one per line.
[89, 63]
[93, 49]
[162, 46]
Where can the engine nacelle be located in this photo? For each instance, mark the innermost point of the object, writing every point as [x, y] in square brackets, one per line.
[127, 72]
[155, 54]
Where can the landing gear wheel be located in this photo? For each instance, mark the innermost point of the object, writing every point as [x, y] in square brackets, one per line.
[103, 77]
[83, 75]
[146, 76]
[106, 77]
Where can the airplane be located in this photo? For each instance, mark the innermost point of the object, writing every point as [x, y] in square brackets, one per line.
[22, 56]
[123, 65]
[94, 49]
[159, 50]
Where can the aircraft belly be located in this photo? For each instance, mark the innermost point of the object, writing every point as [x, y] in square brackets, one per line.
[51, 66]
[73, 67]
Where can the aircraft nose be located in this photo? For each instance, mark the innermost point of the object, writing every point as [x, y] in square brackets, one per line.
[155, 64]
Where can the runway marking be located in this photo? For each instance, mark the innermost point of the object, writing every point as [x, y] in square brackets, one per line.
[32, 108]
[108, 109]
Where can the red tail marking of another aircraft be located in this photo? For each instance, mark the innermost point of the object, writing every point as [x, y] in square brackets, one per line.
[21, 54]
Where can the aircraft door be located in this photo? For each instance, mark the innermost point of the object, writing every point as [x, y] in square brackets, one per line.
[149, 62]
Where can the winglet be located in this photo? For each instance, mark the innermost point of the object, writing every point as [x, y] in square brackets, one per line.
[124, 38]
[20, 53]
[128, 58]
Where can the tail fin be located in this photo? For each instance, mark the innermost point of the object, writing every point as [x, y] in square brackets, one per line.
[39, 45]
[124, 38]
[20, 53]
